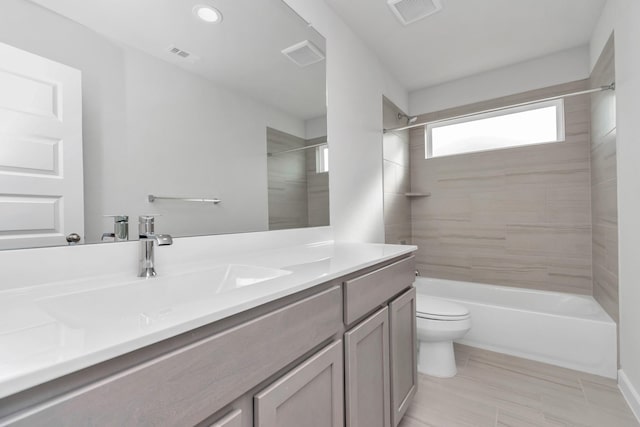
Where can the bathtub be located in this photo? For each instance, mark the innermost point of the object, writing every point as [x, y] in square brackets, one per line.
[566, 330]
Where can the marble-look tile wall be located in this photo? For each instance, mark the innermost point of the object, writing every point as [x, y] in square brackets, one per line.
[317, 188]
[287, 181]
[518, 217]
[604, 206]
[397, 206]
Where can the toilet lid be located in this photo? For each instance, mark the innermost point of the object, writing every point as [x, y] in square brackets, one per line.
[436, 308]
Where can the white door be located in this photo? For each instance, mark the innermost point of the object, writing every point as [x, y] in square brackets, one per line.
[41, 184]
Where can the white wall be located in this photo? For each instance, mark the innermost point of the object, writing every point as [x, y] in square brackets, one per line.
[561, 67]
[356, 82]
[315, 128]
[187, 137]
[622, 17]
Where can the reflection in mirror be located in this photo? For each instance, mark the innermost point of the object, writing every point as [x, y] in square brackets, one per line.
[298, 180]
[106, 103]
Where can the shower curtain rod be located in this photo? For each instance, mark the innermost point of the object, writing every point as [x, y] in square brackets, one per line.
[297, 149]
[612, 86]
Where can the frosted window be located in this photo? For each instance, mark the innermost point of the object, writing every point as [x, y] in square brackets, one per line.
[322, 158]
[513, 127]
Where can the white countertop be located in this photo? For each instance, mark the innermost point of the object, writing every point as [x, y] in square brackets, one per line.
[51, 330]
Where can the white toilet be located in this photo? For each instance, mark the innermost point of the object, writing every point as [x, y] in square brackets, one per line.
[439, 322]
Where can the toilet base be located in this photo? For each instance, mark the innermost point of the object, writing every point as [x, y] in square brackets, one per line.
[437, 359]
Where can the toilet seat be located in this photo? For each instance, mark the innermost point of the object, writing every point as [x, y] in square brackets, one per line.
[432, 308]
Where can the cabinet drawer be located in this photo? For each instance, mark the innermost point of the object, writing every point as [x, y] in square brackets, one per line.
[185, 386]
[365, 293]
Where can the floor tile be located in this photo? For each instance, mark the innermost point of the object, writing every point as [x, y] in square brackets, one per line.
[498, 390]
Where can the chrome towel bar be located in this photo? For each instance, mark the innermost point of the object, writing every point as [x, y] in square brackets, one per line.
[214, 200]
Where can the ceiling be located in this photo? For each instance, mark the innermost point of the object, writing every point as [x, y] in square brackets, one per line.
[243, 52]
[468, 36]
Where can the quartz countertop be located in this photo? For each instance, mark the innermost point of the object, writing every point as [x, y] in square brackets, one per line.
[51, 330]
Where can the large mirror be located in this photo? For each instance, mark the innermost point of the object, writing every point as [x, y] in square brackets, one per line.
[210, 114]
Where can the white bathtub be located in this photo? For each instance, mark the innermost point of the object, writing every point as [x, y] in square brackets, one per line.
[566, 330]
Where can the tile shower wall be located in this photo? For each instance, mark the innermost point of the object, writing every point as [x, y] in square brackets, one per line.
[287, 181]
[298, 195]
[604, 185]
[317, 188]
[397, 207]
[517, 217]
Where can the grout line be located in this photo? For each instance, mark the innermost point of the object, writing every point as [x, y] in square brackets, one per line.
[584, 393]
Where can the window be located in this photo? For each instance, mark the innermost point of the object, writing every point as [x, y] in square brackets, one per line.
[504, 128]
[322, 158]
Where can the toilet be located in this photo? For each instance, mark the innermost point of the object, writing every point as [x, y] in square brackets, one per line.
[439, 322]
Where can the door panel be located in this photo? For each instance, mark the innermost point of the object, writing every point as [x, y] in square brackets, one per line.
[404, 372]
[309, 396]
[367, 372]
[41, 182]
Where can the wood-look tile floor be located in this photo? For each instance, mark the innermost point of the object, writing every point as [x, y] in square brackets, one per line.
[496, 390]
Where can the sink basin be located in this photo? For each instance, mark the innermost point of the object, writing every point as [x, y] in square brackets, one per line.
[148, 300]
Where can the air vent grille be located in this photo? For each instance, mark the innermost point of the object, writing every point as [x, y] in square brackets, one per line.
[181, 53]
[304, 53]
[409, 11]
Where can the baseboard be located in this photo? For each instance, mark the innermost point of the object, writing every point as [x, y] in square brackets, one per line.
[629, 392]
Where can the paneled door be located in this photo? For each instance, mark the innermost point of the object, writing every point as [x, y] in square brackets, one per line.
[403, 355]
[41, 185]
[367, 372]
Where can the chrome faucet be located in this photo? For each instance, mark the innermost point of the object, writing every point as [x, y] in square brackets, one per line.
[120, 228]
[147, 239]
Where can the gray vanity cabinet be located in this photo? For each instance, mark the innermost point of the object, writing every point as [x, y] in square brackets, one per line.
[367, 372]
[404, 371]
[341, 351]
[310, 395]
[380, 351]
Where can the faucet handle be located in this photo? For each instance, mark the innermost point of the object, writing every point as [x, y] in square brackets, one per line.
[118, 218]
[146, 223]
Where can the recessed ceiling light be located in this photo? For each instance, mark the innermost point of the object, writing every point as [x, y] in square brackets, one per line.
[207, 13]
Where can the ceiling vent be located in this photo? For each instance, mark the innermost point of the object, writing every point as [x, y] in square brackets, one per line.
[183, 54]
[304, 53]
[409, 11]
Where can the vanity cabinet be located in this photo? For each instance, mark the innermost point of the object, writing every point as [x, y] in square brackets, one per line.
[380, 351]
[340, 351]
[192, 382]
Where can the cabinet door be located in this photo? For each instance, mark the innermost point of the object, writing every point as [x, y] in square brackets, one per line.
[404, 373]
[367, 372]
[309, 396]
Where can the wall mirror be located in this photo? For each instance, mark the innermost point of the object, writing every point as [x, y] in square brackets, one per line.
[208, 113]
